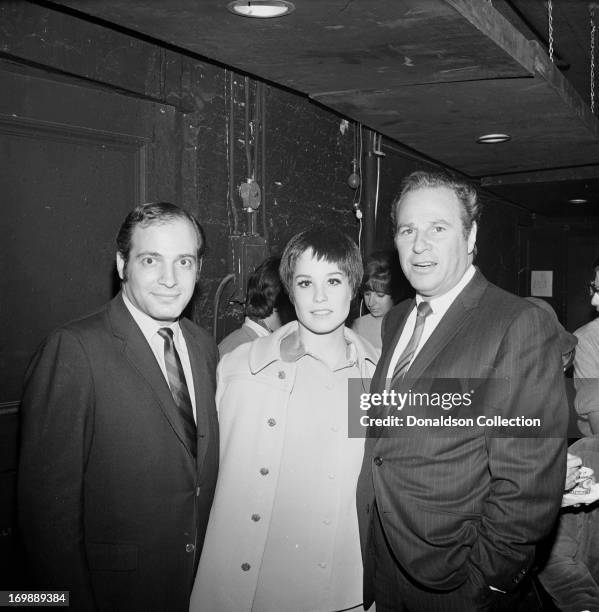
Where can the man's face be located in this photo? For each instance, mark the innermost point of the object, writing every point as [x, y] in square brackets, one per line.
[321, 294]
[595, 298]
[433, 251]
[162, 269]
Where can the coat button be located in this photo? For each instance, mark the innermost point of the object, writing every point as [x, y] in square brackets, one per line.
[264, 471]
[271, 422]
[245, 567]
[255, 518]
[282, 374]
[378, 461]
[189, 548]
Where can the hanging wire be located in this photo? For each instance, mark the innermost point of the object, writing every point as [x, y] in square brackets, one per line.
[231, 152]
[592, 15]
[550, 26]
[358, 192]
[246, 127]
[377, 148]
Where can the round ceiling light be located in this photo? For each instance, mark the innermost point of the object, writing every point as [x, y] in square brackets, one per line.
[493, 138]
[261, 9]
[577, 201]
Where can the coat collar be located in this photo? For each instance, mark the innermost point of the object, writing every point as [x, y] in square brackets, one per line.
[267, 350]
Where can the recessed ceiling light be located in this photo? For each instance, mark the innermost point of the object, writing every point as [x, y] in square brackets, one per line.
[577, 201]
[262, 9]
[493, 138]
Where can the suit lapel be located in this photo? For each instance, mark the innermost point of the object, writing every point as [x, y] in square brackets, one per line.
[379, 382]
[451, 324]
[201, 378]
[138, 353]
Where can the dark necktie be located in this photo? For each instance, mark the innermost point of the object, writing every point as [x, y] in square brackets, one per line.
[405, 359]
[178, 386]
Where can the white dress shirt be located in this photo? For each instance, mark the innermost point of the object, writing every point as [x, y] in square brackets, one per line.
[149, 328]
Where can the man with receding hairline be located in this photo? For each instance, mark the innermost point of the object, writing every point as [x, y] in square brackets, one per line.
[449, 519]
[119, 434]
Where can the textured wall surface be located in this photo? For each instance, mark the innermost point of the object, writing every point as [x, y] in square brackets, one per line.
[302, 168]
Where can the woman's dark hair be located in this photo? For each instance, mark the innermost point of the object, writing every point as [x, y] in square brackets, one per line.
[328, 244]
[264, 289]
[382, 274]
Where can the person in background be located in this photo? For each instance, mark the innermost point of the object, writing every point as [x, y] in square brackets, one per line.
[381, 288]
[263, 302]
[570, 574]
[283, 532]
[586, 366]
[567, 341]
[119, 432]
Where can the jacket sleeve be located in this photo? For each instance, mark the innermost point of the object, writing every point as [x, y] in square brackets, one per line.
[586, 376]
[56, 428]
[527, 474]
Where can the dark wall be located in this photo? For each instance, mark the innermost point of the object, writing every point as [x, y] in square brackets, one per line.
[568, 249]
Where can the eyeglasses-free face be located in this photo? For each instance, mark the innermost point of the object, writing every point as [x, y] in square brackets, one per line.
[593, 288]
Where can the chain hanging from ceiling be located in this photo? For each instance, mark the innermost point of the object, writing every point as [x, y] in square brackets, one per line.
[592, 16]
[550, 27]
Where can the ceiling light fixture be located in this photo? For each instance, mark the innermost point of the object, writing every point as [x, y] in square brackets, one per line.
[261, 9]
[493, 138]
[577, 201]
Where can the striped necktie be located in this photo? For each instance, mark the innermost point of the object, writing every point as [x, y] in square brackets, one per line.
[405, 359]
[178, 386]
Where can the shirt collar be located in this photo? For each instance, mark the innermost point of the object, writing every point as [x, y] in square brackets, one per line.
[260, 331]
[149, 326]
[284, 345]
[440, 305]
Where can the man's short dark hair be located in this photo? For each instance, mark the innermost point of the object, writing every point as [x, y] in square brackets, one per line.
[154, 213]
[264, 289]
[465, 193]
[329, 244]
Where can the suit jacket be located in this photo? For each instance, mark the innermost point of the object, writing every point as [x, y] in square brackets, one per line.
[467, 502]
[112, 504]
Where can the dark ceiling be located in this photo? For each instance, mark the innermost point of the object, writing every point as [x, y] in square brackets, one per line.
[432, 75]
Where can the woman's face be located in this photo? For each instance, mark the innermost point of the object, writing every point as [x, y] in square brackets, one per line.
[321, 294]
[379, 304]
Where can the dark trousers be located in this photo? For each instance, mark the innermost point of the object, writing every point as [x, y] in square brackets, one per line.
[396, 591]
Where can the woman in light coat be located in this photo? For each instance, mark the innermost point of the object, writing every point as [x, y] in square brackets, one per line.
[283, 532]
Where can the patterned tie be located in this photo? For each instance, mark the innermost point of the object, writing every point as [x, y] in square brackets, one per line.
[405, 359]
[178, 386]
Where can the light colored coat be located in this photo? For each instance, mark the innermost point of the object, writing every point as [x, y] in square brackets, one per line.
[254, 388]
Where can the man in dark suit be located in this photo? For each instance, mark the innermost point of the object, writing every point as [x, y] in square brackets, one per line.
[119, 444]
[449, 517]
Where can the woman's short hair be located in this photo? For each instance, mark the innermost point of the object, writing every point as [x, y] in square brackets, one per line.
[329, 244]
[382, 274]
[264, 289]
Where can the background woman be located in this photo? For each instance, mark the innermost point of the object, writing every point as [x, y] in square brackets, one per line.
[382, 288]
